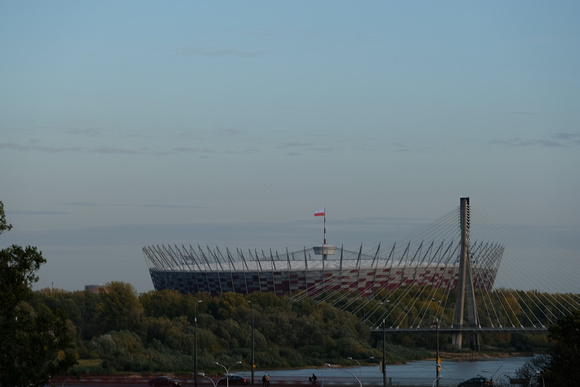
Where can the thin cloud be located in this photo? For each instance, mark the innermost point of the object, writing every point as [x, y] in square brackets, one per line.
[146, 205]
[560, 140]
[165, 206]
[294, 144]
[90, 132]
[74, 130]
[187, 149]
[249, 151]
[228, 132]
[138, 134]
[275, 33]
[38, 148]
[85, 204]
[112, 150]
[56, 149]
[572, 138]
[568, 136]
[522, 113]
[262, 32]
[127, 151]
[325, 149]
[399, 147]
[206, 151]
[34, 213]
[215, 53]
[13, 146]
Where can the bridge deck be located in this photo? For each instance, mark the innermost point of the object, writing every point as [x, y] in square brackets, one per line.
[464, 330]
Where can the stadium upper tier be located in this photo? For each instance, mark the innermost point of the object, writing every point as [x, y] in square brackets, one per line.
[195, 269]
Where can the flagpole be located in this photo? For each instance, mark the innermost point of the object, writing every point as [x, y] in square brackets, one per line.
[324, 225]
[325, 249]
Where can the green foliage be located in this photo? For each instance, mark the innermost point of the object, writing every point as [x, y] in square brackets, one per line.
[559, 367]
[529, 371]
[35, 341]
[121, 351]
[563, 369]
[18, 267]
[119, 308]
[154, 331]
[4, 225]
[164, 303]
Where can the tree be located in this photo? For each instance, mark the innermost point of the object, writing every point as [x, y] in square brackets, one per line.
[563, 370]
[559, 367]
[34, 344]
[120, 308]
[4, 226]
[529, 371]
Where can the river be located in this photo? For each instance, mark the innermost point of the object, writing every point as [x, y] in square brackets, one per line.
[412, 373]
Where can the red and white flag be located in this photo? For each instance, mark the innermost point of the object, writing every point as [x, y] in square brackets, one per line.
[319, 213]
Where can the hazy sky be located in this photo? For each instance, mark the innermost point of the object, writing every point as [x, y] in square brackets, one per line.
[137, 122]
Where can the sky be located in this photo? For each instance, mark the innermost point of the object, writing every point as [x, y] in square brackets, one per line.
[125, 124]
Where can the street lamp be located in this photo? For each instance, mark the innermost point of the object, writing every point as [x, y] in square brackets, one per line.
[359, 366]
[207, 377]
[228, 371]
[253, 335]
[438, 359]
[384, 366]
[195, 345]
[348, 372]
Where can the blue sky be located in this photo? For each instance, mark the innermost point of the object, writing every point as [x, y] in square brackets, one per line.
[141, 122]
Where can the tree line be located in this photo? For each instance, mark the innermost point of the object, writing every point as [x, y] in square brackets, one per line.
[155, 331]
[123, 331]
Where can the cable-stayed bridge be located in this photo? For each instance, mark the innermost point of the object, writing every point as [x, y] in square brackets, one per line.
[462, 273]
[444, 277]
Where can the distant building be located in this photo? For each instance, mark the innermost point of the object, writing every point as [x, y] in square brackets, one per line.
[94, 288]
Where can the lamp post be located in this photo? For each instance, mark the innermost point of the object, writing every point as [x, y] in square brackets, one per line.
[359, 366]
[207, 377]
[438, 359]
[384, 365]
[195, 345]
[228, 371]
[253, 336]
[348, 372]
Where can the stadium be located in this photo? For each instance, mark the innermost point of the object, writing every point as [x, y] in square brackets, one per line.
[318, 269]
[325, 268]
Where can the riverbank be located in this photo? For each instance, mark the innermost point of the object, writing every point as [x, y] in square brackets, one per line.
[482, 355]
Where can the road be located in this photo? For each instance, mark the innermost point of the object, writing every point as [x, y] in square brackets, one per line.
[187, 381]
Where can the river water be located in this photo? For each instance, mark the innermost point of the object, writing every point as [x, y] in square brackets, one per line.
[413, 373]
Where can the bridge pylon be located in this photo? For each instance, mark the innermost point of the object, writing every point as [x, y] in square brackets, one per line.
[464, 288]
